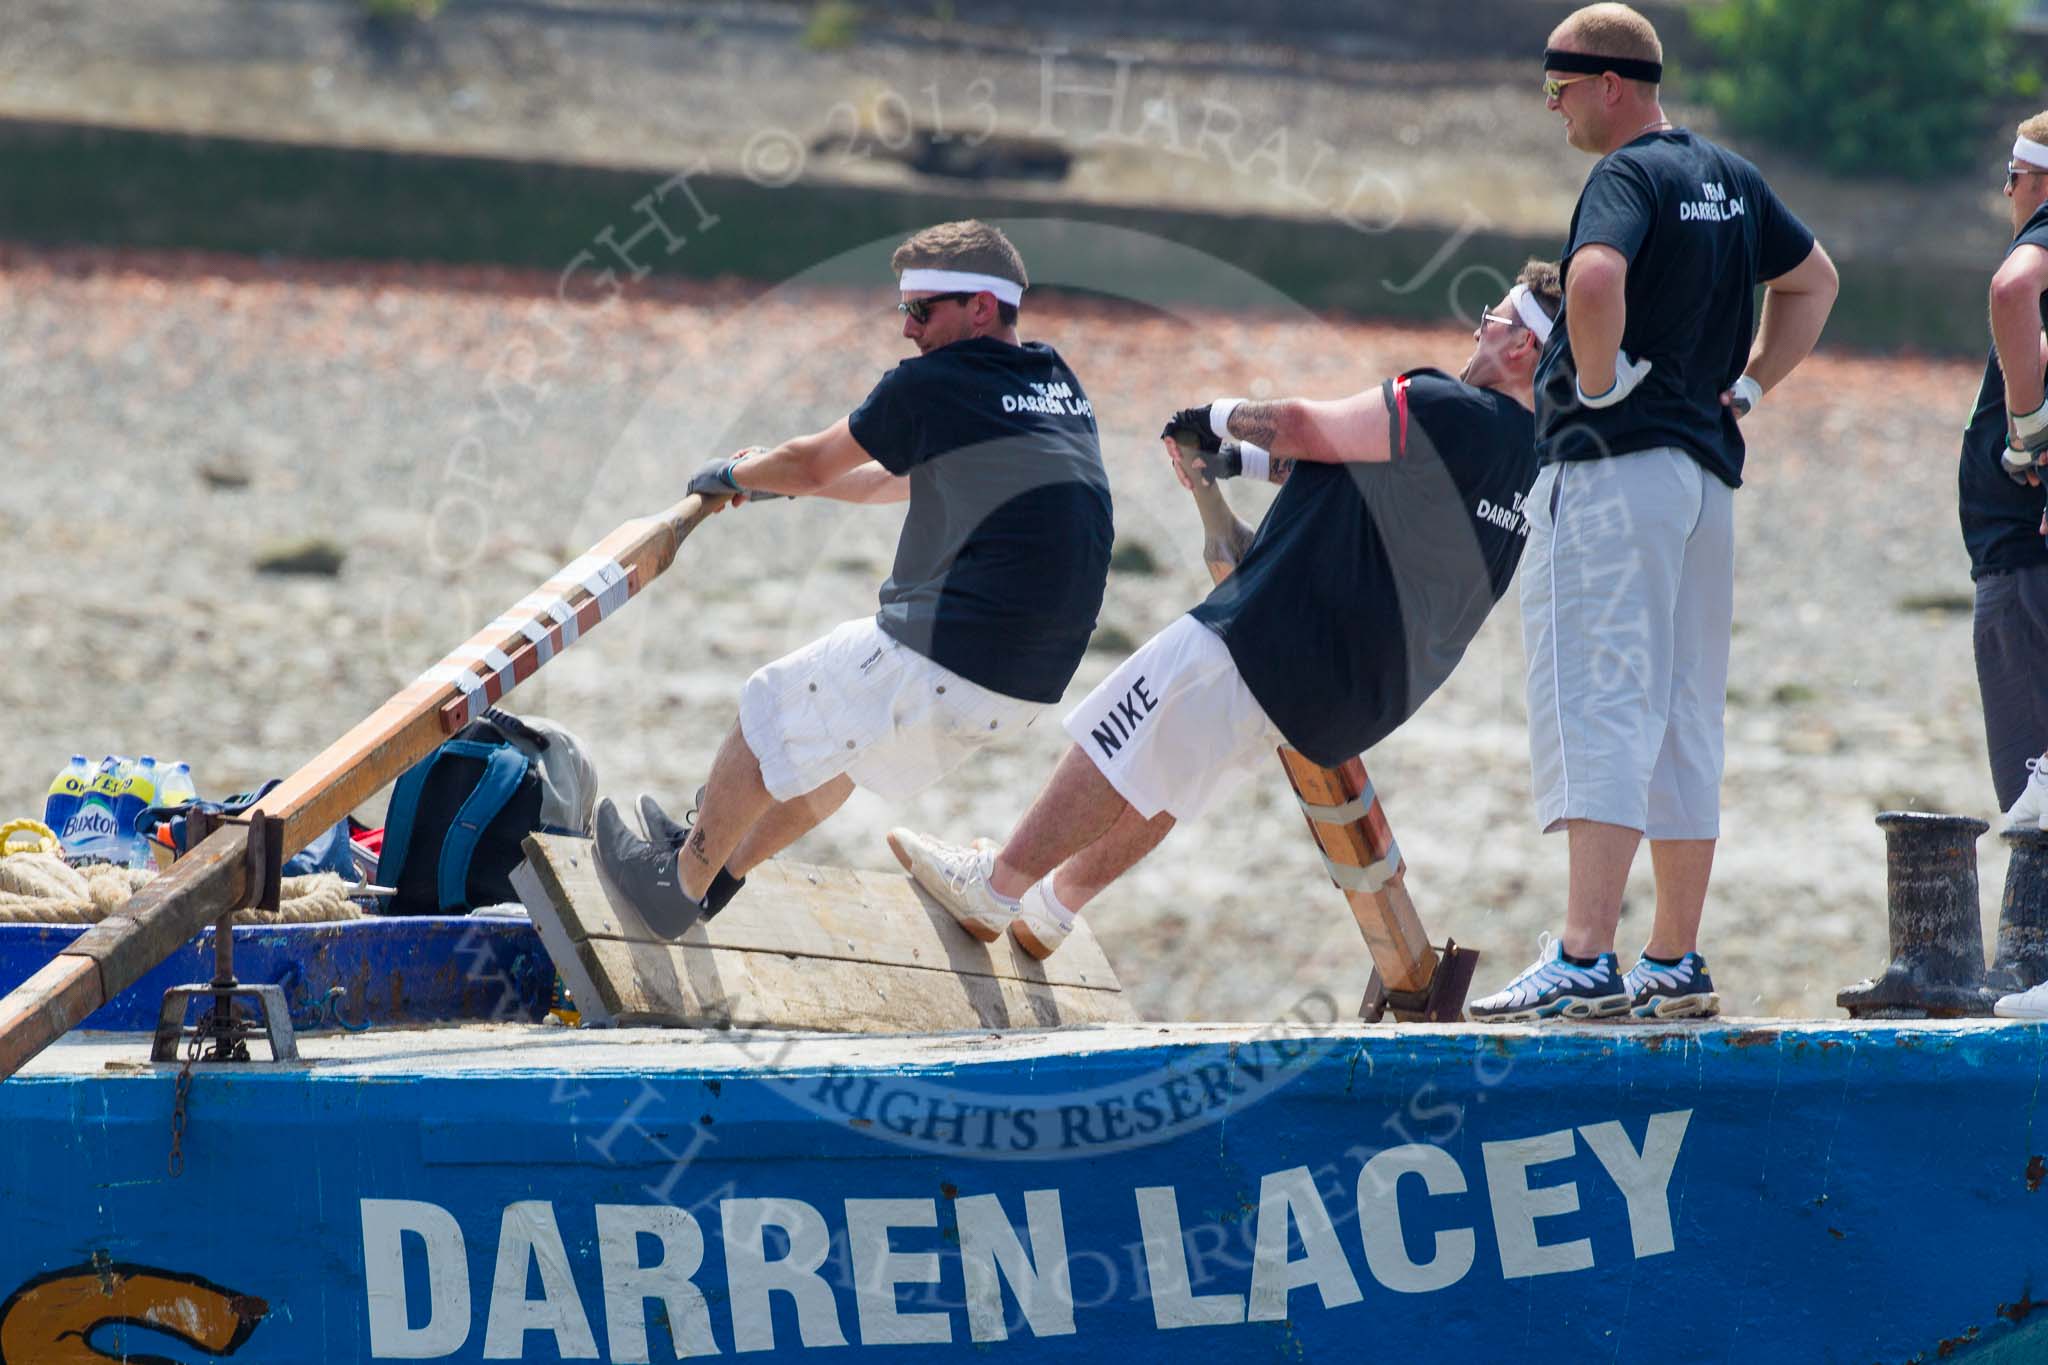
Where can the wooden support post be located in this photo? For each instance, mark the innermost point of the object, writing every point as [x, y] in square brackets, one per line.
[1345, 819]
[1349, 827]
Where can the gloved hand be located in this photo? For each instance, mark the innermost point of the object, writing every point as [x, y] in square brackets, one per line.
[1627, 374]
[1743, 396]
[2030, 430]
[2018, 463]
[1193, 424]
[714, 478]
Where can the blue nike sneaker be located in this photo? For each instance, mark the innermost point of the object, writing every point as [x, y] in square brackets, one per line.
[1680, 991]
[1552, 988]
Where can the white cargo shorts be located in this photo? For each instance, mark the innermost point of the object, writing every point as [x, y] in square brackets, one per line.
[860, 702]
[1174, 726]
[1628, 599]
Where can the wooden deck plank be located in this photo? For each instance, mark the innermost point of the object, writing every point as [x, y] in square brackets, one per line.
[805, 948]
[825, 912]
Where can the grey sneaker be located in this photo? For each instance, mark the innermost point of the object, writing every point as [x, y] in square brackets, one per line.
[660, 828]
[639, 877]
[1682, 991]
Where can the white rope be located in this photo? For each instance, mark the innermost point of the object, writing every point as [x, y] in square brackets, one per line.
[41, 888]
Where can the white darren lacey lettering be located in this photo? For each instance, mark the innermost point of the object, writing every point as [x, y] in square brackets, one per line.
[1713, 205]
[660, 1253]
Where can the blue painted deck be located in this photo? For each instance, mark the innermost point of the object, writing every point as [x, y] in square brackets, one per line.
[393, 970]
[1781, 1193]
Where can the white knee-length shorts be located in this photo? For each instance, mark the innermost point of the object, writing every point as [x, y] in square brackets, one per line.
[1174, 727]
[1628, 599]
[860, 702]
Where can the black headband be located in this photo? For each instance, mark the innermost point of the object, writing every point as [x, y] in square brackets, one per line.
[1586, 64]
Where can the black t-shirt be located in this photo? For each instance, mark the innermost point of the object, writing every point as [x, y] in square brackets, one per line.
[1700, 229]
[1000, 568]
[2001, 519]
[1366, 581]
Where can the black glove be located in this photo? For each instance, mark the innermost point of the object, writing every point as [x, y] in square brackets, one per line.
[1211, 465]
[1191, 426]
[714, 479]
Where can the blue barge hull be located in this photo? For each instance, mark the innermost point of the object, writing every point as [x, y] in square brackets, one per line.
[1772, 1192]
[396, 970]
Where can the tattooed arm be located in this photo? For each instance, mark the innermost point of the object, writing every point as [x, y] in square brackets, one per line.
[1345, 430]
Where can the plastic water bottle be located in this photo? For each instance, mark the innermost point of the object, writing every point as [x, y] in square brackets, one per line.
[66, 792]
[174, 786]
[138, 793]
[93, 830]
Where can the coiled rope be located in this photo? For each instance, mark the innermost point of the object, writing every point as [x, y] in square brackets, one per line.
[41, 888]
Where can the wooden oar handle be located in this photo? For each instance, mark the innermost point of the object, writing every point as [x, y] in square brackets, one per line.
[212, 878]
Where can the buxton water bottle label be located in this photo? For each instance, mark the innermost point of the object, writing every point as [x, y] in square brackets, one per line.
[91, 821]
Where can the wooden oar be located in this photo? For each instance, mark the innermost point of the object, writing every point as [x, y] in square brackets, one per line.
[204, 884]
[1351, 831]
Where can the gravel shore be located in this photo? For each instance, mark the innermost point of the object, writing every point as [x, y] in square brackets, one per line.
[461, 433]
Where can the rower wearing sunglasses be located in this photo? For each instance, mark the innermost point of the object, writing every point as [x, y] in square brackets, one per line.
[998, 577]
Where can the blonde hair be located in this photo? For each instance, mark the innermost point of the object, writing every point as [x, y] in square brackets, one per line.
[2035, 129]
[1611, 30]
[969, 245]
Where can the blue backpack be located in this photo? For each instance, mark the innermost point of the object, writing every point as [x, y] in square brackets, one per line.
[453, 830]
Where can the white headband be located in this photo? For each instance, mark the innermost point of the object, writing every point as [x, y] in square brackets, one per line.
[962, 281]
[2027, 150]
[1531, 313]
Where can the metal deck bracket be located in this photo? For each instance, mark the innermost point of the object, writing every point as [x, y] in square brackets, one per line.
[1442, 1001]
[222, 1033]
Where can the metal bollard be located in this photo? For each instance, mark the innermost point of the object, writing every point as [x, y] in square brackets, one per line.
[2022, 958]
[1937, 939]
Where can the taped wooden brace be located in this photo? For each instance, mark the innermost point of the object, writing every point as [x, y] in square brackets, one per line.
[1360, 808]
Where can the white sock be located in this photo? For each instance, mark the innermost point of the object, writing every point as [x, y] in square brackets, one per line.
[988, 878]
[1060, 914]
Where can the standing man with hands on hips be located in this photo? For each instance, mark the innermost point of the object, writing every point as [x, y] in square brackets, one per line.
[1999, 495]
[1628, 586]
[1999, 488]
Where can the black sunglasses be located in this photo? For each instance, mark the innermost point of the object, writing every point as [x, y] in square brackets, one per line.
[919, 311]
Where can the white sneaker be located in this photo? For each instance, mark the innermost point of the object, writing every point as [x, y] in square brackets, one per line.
[2031, 810]
[956, 878]
[1036, 928]
[2027, 1004]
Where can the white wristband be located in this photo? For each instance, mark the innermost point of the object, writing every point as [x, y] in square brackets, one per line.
[1219, 416]
[2028, 423]
[1747, 393]
[1254, 462]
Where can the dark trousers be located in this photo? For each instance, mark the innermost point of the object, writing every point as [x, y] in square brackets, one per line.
[2011, 638]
